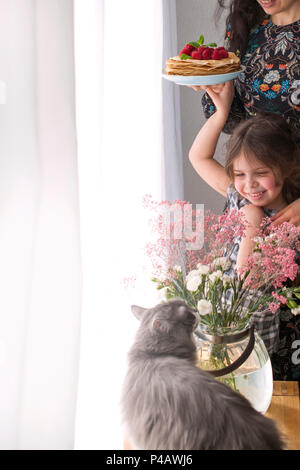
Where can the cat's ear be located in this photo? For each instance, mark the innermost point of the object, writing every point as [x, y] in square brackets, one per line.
[137, 311]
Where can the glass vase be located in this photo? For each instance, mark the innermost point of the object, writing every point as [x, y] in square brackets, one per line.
[238, 358]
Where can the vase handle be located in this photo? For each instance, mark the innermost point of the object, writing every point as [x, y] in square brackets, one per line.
[240, 360]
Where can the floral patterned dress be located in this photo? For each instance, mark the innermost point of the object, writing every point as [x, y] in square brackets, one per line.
[271, 79]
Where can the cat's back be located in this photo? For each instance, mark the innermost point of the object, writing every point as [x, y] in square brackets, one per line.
[169, 403]
[166, 402]
[146, 376]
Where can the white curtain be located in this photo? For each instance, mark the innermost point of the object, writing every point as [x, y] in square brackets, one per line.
[174, 188]
[125, 151]
[40, 277]
[62, 305]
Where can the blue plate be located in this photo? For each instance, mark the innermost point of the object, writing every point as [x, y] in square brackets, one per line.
[195, 80]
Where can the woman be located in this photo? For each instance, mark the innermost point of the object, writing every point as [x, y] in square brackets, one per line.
[266, 34]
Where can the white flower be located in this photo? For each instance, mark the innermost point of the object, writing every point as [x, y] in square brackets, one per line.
[202, 268]
[193, 280]
[222, 262]
[204, 307]
[192, 273]
[226, 279]
[215, 275]
[269, 237]
[295, 311]
[288, 294]
[177, 268]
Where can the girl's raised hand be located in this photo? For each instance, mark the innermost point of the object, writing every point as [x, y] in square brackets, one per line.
[222, 95]
[222, 99]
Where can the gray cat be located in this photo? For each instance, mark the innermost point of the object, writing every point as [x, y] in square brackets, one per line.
[169, 403]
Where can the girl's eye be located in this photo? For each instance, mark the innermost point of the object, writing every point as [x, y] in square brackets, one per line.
[238, 174]
[263, 174]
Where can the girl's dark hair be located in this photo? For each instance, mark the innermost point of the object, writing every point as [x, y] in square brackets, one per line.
[243, 16]
[269, 138]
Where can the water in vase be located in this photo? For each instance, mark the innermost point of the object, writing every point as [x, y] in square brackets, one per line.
[253, 379]
[257, 386]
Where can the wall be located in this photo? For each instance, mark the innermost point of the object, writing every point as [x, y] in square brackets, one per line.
[195, 17]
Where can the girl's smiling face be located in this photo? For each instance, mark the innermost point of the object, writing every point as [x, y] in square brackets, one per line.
[256, 182]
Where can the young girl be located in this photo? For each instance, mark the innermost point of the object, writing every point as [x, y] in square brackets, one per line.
[267, 35]
[261, 176]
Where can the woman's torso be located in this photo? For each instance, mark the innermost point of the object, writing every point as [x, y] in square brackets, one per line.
[271, 80]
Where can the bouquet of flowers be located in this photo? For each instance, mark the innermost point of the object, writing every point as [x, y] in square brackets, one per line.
[204, 276]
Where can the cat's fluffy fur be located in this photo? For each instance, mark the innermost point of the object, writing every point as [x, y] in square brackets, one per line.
[169, 403]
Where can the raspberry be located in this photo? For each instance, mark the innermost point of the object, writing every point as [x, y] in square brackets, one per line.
[197, 55]
[216, 55]
[222, 51]
[207, 53]
[201, 48]
[185, 51]
[223, 54]
[189, 47]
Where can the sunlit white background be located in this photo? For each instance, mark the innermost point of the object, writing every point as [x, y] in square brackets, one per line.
[118, 57]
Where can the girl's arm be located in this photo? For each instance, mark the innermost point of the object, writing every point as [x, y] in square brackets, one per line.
[202, 152]
[253, 216]
[237, 111]
[236, 114]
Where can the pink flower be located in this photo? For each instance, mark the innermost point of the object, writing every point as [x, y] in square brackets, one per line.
[276, 261]
[273, 306]
[272, 262]
[281, 299]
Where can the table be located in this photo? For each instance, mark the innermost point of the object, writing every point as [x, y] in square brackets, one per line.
[285, 411]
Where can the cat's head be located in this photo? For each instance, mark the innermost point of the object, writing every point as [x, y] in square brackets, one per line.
[167, 328]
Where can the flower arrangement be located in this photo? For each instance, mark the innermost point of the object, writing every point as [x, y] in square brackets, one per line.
[204, 277]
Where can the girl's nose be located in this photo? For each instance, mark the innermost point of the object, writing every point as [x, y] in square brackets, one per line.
[251, 183]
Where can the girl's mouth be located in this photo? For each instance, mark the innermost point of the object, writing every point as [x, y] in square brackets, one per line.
[256, 196]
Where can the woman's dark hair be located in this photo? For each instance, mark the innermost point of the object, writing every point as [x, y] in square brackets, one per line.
[269, 138]
[243, 16]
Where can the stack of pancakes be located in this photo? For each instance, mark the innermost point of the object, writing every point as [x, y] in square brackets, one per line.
[176, 66]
